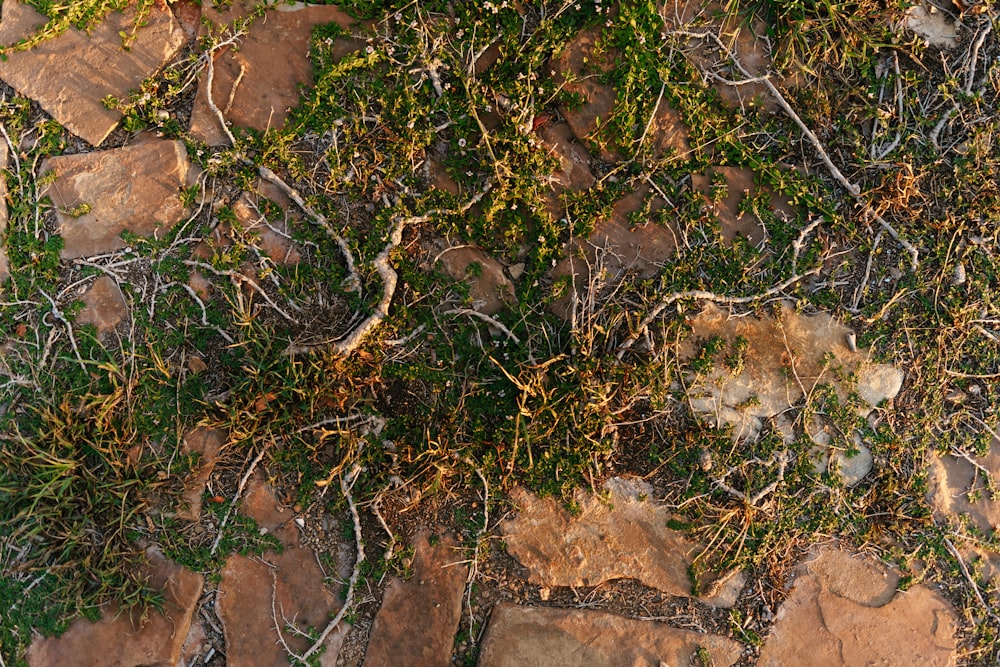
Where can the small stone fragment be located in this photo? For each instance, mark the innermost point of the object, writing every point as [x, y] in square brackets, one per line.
[206, 443]
[417, 621]
[489, 287]
[519, 636]
[99, 195]
[84, 69]
[104, 306]
[933, 26]
[126, 638]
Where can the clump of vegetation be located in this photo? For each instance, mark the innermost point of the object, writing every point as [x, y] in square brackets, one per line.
[574, 378]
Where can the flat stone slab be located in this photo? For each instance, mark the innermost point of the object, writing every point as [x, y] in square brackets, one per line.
[104, 306]
[540, 636]
[844, 610]
[126, 638]
[99, 195]
[624, 536]
[578, 69]
[82, 70]
[417, 621]
[257, 85]
[259, 595]
[489, 287]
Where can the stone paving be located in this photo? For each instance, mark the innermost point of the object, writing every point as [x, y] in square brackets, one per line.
[840, 608]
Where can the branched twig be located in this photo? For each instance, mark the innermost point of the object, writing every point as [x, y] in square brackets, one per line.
[853, 188]
[667, 301]
[353, 340]
[972, 582]
[236, 498]
[353, 281]
[493, 322]
[57, 314]
[239, 279]
[345, 485]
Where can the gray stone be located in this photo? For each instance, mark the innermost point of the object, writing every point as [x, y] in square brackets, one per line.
[546, 637]
[99, 195]
[417, 621]
[932, 24]
[844, 610]
[784, 355]
[82, 70]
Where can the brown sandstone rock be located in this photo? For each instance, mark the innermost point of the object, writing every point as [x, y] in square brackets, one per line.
[257, 595]
[843, 610]
[538, 636]
[82, 70]
[104, 306]
[417, 621]
[616, 246]
[126, 638]
[489, 287]
[621, 536]
[206, 444]
[256, 86]
[99, 195]
[578, 69]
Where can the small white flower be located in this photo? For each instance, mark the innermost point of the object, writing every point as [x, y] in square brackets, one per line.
[461, 142]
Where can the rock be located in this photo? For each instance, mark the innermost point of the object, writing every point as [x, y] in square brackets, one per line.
[879, 382]
[783, 355]
[85, 69]
[739, 184]
[746, 38]
[489, 288]
[616, 246]
[206, 443]
[520, 636]
[127, 638]
[577, 70]
[622, 536]
[258, 84]
[417, 621]
[957, 489]
[932, 24]
[291, 581]
[843, 610]
[4, 261]
[574, 160]
[99, 195]
[104, 305]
